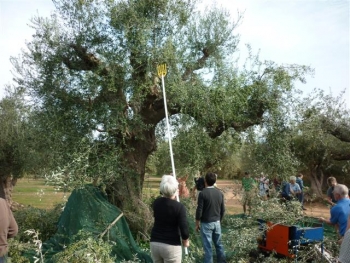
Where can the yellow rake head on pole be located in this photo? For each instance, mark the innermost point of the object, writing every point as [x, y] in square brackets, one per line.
[161, 70]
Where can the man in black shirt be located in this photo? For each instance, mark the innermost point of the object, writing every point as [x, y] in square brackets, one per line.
[209, 213]
[199, 185]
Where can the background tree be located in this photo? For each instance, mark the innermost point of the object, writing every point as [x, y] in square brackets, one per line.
[320, 139]
[91, 73]
[268, 148]
[16, 154]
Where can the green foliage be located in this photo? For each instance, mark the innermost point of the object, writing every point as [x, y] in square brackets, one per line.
[194, 151]
[40, 223]
[37, 243]
[91, 71]
[16, 156]
[43, 221]
[86, 250]
[320, 139]
[270, 151]
[322, 131]
[134, 260]
[17, 249]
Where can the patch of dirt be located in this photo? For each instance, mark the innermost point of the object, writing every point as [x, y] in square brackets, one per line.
[232, 192]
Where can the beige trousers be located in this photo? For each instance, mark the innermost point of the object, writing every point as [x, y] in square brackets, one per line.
[164, 253]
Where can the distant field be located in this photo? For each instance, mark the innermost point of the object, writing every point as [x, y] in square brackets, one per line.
[35, 193]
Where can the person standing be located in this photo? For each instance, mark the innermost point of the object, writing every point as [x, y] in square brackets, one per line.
[264, 186]
[331, 181]
[170, 227]
[183, 190]
[300, 182]
[277, 184]
[209, 214]
[248, 184]
[8, 226]
[199, 185]
[344, 253]
[341, 211]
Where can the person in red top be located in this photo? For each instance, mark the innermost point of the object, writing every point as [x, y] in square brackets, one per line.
[183, 190]
[8, 226]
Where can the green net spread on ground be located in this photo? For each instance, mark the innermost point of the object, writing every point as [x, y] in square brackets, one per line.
[89, 211]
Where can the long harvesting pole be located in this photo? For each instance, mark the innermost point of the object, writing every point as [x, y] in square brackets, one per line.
[162, 71]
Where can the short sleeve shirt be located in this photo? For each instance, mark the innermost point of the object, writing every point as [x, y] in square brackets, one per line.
[295, 187]
[340, 213]
[330, 194]
[247, 183]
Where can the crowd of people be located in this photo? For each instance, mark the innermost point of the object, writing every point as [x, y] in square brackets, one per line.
[337, 198]
[264, 188]
[211, 208]
[171, 230]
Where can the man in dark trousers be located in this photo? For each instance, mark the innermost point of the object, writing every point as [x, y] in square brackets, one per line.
[300, 182]
[209, 214]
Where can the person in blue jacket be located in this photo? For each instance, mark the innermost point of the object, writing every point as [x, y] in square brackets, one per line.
[341, 210]
[291, 190]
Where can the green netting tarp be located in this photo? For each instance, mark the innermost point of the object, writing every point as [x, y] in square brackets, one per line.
[88, 210]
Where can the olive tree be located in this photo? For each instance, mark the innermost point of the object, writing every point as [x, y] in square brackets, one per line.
[91, 71]
[16, 152]
[321, 139]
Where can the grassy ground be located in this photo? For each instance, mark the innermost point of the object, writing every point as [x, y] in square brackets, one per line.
[36, 193]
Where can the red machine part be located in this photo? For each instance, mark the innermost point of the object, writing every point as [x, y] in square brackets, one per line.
[277, 239]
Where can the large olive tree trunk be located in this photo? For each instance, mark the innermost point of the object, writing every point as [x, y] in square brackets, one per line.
[126, 191]
[6, 187]
[316, 180]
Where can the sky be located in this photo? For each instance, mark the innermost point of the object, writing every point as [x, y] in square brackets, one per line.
[306, 32]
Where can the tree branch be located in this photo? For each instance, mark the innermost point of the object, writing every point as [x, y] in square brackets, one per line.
[340, 131]
[219, 128]
[198, 65]
[87, 61]
[341, 134]
[341, 157]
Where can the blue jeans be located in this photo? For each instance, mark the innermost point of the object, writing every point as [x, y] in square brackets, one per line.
[212, 232]
[301, 198]
[3, 259]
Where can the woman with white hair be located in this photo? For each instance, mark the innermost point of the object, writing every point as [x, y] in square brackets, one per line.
[170, 227]
[294, 187]
[291, 190]
[341, 211]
